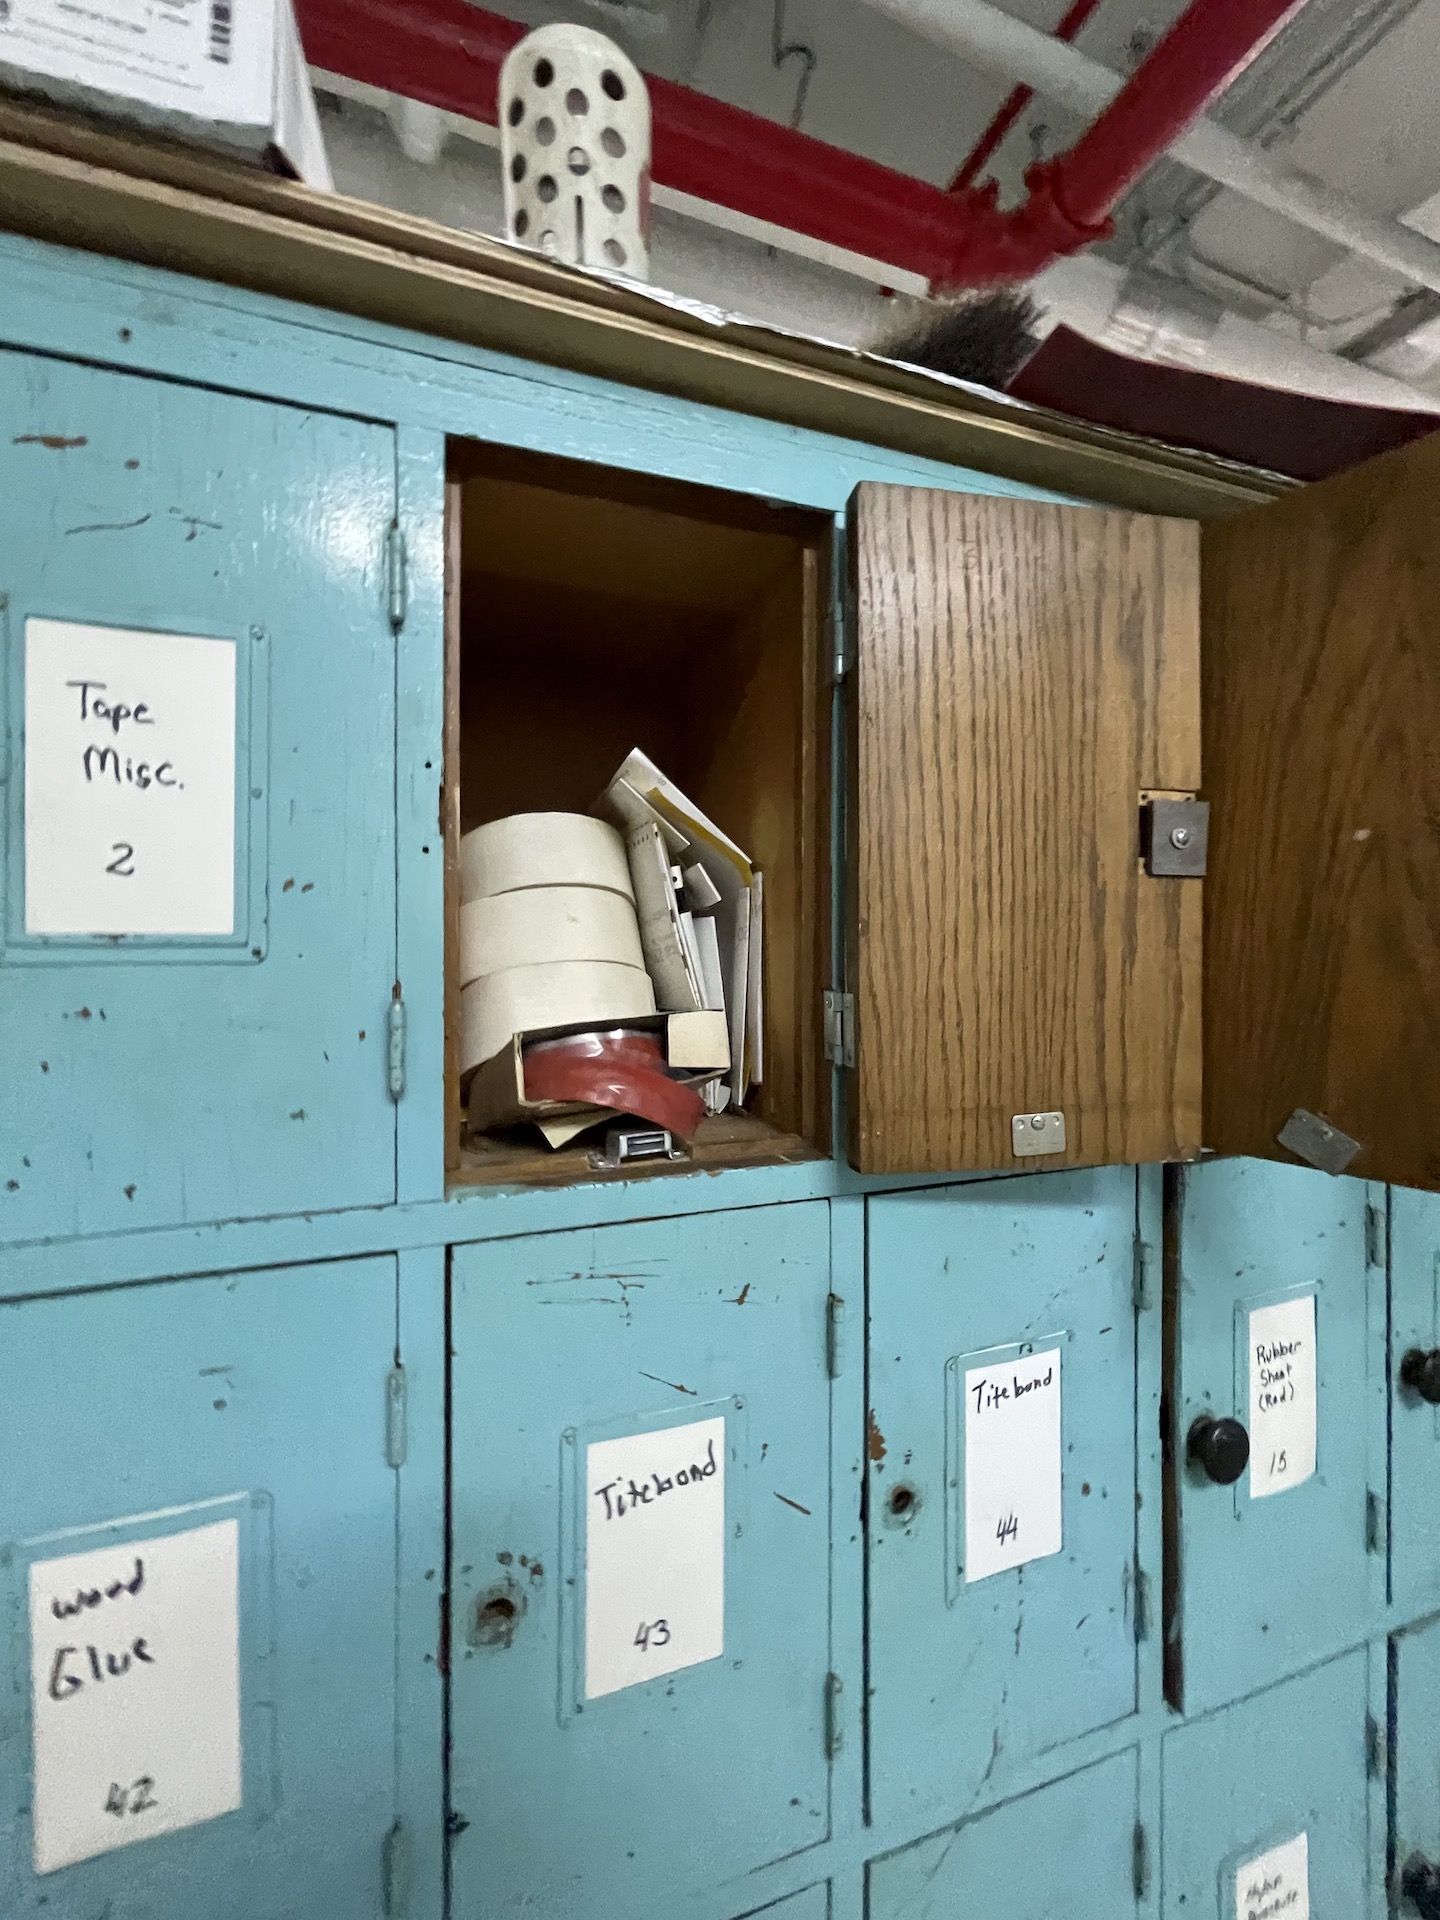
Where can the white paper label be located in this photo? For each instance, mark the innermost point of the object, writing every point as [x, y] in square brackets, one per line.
[135, 1684]
[129, 781]
[1012, 1463]
[1275, 1885]
[1282, 1396]
[654, 1554]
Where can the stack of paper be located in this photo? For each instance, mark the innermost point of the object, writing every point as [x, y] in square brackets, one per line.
[700, 903]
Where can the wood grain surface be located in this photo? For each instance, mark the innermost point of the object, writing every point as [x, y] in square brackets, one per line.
[1022, 673]
[1322, 743]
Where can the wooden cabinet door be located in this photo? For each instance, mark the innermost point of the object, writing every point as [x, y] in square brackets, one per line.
[1024, 673]
[1321, 693]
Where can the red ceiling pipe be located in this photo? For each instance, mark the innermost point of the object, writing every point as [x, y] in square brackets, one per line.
[988, 144]
[448, 54]
[1194, 62]
[1071, 197]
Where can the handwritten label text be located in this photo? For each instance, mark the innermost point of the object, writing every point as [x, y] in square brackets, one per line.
[129, 781]
[654, 1554]
[1012, 1463]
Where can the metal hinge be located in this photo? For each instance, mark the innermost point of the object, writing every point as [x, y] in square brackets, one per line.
[1374, 1756]
[1140, 1860]
[834, 1733]
[1142, 1605]
[1140, 1286]
[397, 1433]
[397, 574]
[395, 1050]
[834, 1335]
[840, 1028]
[1374, 1236]
[395, 1872]
[1374, 1523]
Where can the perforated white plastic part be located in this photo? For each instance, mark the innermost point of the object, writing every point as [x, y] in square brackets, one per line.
[575, 142]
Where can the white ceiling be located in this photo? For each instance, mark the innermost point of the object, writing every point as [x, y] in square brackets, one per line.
[1350, 91]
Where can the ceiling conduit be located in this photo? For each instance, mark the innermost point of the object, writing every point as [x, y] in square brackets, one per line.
[448, 54]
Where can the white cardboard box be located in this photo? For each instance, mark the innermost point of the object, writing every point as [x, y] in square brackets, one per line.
[228, 73]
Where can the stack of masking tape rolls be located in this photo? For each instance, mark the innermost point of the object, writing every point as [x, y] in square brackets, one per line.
[548, 931]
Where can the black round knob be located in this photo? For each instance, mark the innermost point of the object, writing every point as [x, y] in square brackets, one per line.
[1420, 1885]
[1219, 1448]
[1420, 1371]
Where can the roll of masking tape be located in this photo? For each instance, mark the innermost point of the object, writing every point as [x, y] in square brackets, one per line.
[547, 924]
[554, 994]
[543, 850]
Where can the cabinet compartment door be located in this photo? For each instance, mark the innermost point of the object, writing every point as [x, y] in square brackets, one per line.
[591, 1372]
[1273, 1580]
[1414, 1421]
[231, 1060]
[1273, 1790]
[1065, 1852]
[1415, 1718]
[983, 1656]
[1023, 672]
[1321, 691]
[241, 1415]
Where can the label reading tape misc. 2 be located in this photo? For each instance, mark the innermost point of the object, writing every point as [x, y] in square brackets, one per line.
[129, 781]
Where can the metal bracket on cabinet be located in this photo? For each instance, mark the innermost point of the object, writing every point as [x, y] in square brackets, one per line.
[1034, 1133]
[1174, 837]
[1317, 1142]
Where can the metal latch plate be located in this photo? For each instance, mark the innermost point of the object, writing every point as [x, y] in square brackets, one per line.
[1175, 838]
[1033, 1133]
[625, 1146]
[1317, 1142]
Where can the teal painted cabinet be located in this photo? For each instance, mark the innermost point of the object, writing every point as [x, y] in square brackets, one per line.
[1268, 1808]
[813, 1904]
[1275, 1330]
[641, 1701]
[199, 675]
[1415, 1763]
[1068, 1851]
[1001, 1498]
[199, 1528]
[1414, 1374]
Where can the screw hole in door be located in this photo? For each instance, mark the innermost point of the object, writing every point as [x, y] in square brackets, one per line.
[901, 1505]
[497, 1615]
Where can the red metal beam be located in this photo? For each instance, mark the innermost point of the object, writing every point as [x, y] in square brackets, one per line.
[448, 54]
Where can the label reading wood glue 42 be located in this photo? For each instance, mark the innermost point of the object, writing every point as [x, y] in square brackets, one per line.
[654, 1554]
[129, 781]
[1282, 1396]
[135, 1691]
[1012, 1463]
[1275, 1885]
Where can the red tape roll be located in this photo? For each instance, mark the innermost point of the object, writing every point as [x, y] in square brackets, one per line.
[622, 1069]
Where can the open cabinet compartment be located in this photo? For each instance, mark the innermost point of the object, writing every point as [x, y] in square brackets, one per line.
[589, 612]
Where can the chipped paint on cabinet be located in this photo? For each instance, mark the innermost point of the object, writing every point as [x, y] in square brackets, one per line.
[162, 1080]
[255, 1400]
[984, 1284]
[1269, 1585]
[633, 1800]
